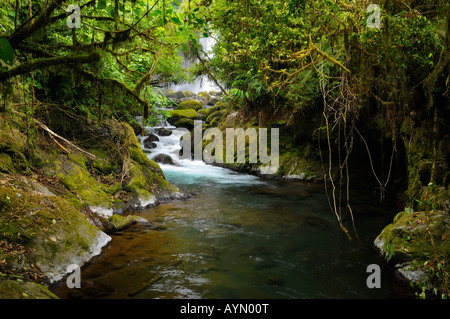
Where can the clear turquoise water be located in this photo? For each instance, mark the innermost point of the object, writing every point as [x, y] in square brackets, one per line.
[240, 236]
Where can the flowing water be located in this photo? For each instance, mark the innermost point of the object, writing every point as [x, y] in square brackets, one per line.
[203, 83]
[239, 236]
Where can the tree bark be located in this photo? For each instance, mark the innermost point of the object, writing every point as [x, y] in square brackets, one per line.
[38, 64]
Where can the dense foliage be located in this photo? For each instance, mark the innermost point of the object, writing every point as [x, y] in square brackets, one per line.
[325, 61]
[108, 63]
[362, 81]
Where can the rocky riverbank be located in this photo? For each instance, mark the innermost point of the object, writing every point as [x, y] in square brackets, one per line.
[58, 201]
[416, 243]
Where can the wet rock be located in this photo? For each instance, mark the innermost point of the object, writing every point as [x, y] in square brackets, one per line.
[151, 146]
[190, 104]
[117, 223]
[186, 123]
[212, 101]
[163, 159]
[140, 220]
[148, 142]
[407, 241]
[163, 132]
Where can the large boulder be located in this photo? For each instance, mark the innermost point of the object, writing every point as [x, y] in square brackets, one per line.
[183, 118]
[186, 113]
[56, 233]
[191, 104]
[185, 123]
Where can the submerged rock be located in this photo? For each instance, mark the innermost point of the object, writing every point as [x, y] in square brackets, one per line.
[140, 220]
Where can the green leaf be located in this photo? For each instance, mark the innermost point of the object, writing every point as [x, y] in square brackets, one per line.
[111, 12]
[176, 20]
[155, 13]
[101, 4]
[6, 51]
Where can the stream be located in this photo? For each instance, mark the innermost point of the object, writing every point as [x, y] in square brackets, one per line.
[239, 236]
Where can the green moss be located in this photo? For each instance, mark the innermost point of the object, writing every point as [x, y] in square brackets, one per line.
[117, 223]
[6, 164]
[215, 114]
[77, 179]
[145, 181]
[204, 113]
[12, 289]
[78, 158]
[408, 239]
[11, 139]
[170, 94]
[103, 163]
[50, 226]
[191, 104]
[186, 113]
[204, 95]
[186, 123]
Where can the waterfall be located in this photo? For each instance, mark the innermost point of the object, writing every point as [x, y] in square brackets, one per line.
[200, 84]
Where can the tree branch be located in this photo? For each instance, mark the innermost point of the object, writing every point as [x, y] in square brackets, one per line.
[42, 20]
[38, 64]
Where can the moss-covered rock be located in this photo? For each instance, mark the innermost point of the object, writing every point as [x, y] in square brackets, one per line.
[14, 143]
[117, 223]
[204, 113]
[13, 289]
[191, 104]
[6, 164]
[11, 139]
[102, 163]
[186, 123]
[204, 95]
[407, 243]
[74, 175]
[185, 113]
[169, 93]
[57, 234]
[215, 114]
